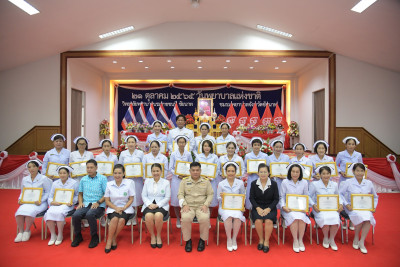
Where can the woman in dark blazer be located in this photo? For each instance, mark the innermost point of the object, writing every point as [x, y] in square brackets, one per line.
[264, 196]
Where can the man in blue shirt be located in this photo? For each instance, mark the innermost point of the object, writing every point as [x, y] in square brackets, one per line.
[91, 203]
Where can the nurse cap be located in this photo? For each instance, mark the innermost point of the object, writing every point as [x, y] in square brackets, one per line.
[351, 166]
[230, 163]
[304, 146]
[319, 167]
[205, 123]
[159, 143]
[102, 141]
[320, 141]
[302, 168]
[80, 137]
[350, 137]
[256, 138]
[70, 170]
[33, 160]
[154, 122]
[55, 135]
[273, 142]
[224, 123]
[131, 136]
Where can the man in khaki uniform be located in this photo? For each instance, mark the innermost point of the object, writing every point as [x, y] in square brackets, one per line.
[195, 195]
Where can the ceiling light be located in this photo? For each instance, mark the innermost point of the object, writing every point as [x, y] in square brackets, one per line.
[115, 62]
[199, 60]
[277, 68]
[284, 61]
[140, 61]
[123, 68]
[225, 67]
[169, 60]
[172, 67]
[256, 60]
[146, 67]
[362, 5]
[227, 61]
[251, 68]
[28, 8]
[117, 32]
[271, 30]
[199, 67]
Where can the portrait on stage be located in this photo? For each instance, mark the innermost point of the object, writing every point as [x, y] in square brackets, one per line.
[205, 106]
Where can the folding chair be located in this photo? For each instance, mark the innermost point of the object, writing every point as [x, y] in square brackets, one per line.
[166, 218]
[131, 225]
[251, 228]
[219, 220]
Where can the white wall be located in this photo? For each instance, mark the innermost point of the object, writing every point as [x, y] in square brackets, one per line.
[368, 96]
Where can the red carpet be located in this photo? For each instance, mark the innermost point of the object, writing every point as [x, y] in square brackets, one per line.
[35, 252]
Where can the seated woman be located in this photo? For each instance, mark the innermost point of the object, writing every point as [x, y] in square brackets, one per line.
[26, 213]
[294, 184]
[57, 212]
[156, 195]
[119, 198]
[264, 196]
[231, 218]
[361, 219]
[329, 221]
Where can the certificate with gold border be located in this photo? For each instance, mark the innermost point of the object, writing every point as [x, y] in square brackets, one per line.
[349, 172]
[362, 202]
[133, 170]
[278, 169]
[63, 196]
[238, 171]
[163, 148]
[307, 172]
[175, 146]
[182, 168]
[79, 168]
[208, 169]
[331, 165]
[328, 202]
[147, 170]
[31, 194]
[252, 165]
[233, 201]
[105, 168]
[297, 202]
[51, 169]
[220, 149]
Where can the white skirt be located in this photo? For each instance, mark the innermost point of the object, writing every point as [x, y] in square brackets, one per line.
[31, 210]
[290, 217]
[225, 214]
[175, 182]
[57, 213]
[359, 216]
[214, 185]
[327, 218]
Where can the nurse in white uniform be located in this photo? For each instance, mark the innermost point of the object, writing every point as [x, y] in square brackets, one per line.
[278, 156]
[106, 155]
[26, 213]
[299, 149]
[256, 143]
[231, 156]
[182, 155]
[56, 155]
[156, 135]
[329, 221]
[320, 148]
[155, 157]
[204, 130]
[57, 212]
[180, 130]
[296, 220]
[225, 137]
[362, 220]
[349, 155]
[80, 153]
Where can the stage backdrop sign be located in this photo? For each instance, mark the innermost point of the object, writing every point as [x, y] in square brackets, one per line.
[187, 99]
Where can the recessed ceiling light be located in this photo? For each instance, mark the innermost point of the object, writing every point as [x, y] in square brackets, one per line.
[277, 68]
[123, 68]
[140, 61]
[115, 62]
[28, 8]
[362, 5]
[117, 32]
[228, 60]
[169, 60]
[172, 67]
[271, 30]
[284, 61]
[251, 68]
[256, 60]
[199, 60]
[225, 67]
[146, 67]
[199, 67]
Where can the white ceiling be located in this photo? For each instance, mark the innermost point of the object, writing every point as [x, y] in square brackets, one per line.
[330, 25]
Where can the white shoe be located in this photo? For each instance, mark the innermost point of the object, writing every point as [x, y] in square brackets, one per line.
[230, 249]
[344, 227]
[59, 241]
[229, 245]
[363, 250]
[253, 226]
[275, 226]
[355, 245]
[333, 245]
[351, 228]
[178, 224]
[129, 222]
[85, 223]
[18, 238]
[234, 245]
[296, 247]
[134, 222]
[103, 222]
[302, 248]
[325, 243]
[26, 236]
[51, 242]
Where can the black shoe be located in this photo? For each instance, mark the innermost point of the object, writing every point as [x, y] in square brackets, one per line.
[153, 245]
[107, 250]
[266, 249]
[114, 247]
[188, 246]
[94, 241]
[202, 245]
[159, 245]
[77, 240]
[260, 246]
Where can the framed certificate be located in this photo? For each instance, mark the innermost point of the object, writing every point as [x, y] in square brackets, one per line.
[220, 149]
[278, 169]
[238, 171]
[105, 167]
[52, 169]
[362, 202]
[79, 168]
[297, 202]
[147, 170]
[233, 201]
[308, 170]
[175, 146]
[133, 170]
[252, 165]
[349, 172]
[63, 196]
[328, 202]
[332, 165]
[163, 148]
[182, 168]
[31, 194]
[208, 169]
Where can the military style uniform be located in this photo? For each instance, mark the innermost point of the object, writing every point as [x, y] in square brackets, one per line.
[195, 194]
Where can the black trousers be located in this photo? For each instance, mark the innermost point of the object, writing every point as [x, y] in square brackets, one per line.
[89, 214]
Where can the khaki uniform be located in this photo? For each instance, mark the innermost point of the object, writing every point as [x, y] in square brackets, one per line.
[195, 194]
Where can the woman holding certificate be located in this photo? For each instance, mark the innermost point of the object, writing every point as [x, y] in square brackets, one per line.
[58, 155]
[252, 169]
[359, 208]
[181, 157]
[35, 189]
[232, 218]
[106, 155]
[156, 135]
[320, 148]
[264, 197]
[80, 155]
[63, 195]
[231, 156]
[278, 156]
[348, 156]
[294, 184]
[225, 137]
[155, 157]
[156, 195]
[326, 213]
[204, 130]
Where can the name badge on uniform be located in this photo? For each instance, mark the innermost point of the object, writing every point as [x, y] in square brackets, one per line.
[162, 191]
[125, 194]
[188, 183]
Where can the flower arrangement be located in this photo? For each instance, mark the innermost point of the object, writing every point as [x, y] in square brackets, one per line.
[104, 128]
[280, 126]
[220, 119]
[271, 126]
[242, 128]
[165, 127]
[261, 129]
[251, 128]
[130, 126]
[189, 119]
[242, 150]
[121, 147]
[293, 129]
[266, 148]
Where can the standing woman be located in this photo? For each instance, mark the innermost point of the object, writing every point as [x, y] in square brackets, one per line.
[106, 155]
[278, 156]
[299, 150]
[57, 212]
[232, 218]
[225, 137]
[231, 156]
[133, 155]
[26, 213]
[155, 157]
[182, 155]
[204, 135]
[294, 184]
[320, 148]
[80, 153]
[119, 197]
[180, 130]
[156, 135]
[329, 221]
[156, 195]
[349, 155]
[361, 219]
[256, 143]
[58, 154]
[264, 197]
[207, 156]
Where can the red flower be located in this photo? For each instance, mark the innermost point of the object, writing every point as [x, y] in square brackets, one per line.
[2, 154]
